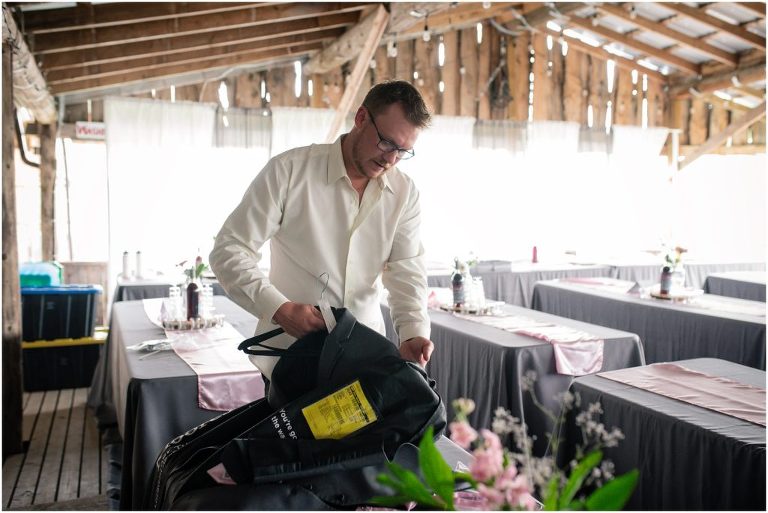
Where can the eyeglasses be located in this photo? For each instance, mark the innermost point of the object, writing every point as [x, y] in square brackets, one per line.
[388, 146]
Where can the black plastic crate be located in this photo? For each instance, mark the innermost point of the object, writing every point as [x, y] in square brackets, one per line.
[59, 364]
[65, 311]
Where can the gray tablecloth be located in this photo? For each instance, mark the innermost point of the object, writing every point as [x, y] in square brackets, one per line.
[669, 331]
[155, 398]
[695, 272]
[512, 282]
[689, 458]
[485, 364]
[740, 284]
[149, 290]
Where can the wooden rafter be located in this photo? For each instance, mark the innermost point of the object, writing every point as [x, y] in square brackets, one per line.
[163, 29]
[755, 7]
[677, 62]
[91, 16]
[192, 42]
[734, 30]
[536, 16]
[131, 65]
[401, 19]
[294, 51]
[718, 80]
[459, 16]
[374, 31]
[655, 26]
[734, 128]
[604, 54]
[348, 46]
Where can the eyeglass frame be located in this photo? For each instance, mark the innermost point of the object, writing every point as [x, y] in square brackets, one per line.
[402, 153]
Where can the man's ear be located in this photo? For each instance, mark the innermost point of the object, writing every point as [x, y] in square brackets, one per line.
[360, 116]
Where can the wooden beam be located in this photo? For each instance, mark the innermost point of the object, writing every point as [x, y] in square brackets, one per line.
[459, 16]
[604, 54]
[170, 46]
[29, 87]
[349, 45]
[92, 16]
[518, 66]
[742, 149]
[755, 7]
[658, 28]
[11, 353]
[401, 19]
[719, 80]
[163, 29]
[750, 91]
[375, 24]
[47, 187]
[538, 17]
[131, 65]
[734, 30]
[716, 140]
[618, 37]
[252, 58]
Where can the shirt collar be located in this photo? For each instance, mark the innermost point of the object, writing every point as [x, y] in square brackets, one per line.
[336, 169]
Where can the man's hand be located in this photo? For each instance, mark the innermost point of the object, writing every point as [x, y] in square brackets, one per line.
[298, 319]
[417, 349]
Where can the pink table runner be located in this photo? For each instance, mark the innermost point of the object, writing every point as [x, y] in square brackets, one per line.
[603, 283]
[226, 379]
[715, 393]
[576, 352]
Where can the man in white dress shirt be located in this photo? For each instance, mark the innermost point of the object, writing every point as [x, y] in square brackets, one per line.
[343, 209]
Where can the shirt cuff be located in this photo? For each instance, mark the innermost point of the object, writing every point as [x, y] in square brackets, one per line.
[271, 299]
[411, 330]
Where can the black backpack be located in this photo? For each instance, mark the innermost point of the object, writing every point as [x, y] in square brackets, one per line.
[340, 406]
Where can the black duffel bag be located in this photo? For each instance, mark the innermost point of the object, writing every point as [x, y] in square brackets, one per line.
[340, 406]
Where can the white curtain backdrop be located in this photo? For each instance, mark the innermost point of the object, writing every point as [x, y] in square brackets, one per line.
[293, 127]
[170, 189]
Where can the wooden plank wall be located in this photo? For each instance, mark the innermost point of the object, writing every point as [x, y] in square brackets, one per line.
[564, 86]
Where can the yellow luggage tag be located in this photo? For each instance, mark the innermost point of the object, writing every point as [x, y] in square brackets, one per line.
[341, 413]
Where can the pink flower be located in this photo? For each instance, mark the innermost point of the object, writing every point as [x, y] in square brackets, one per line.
[462, 434]
[198, 260]
[490, 440]
[516, 490]
[487, 464]
[494, 498]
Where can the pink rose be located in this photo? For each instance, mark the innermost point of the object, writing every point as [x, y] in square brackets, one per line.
[490, 439]
[462, 434]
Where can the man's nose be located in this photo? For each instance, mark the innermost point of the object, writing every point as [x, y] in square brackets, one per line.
[391, 157]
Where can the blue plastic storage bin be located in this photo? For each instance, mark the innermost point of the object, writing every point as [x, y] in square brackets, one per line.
[66, 311]
[40, 274]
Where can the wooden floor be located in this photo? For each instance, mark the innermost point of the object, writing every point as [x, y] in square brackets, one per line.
[64, 459]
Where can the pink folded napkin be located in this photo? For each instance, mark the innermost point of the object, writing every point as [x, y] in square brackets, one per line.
[576, 353]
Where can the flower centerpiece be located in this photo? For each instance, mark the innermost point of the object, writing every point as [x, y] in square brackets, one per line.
[504, 479]
[195, 271]
[673, 258]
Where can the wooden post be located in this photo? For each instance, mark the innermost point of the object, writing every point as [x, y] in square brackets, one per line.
[518, 66]
[542, 80]
[318, 84]
[483, 74]
[12, 379]
[574, 100]
[623, 112]
[47, 187]
[404, 61]
[425, 62]
[468, 89]
[450, 103]
[697, 128]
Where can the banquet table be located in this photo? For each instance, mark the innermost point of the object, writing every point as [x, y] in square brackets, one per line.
[647, 272]
[512, 282]
[689, 457]
[486, 364]
[154, 397]
[148, 289]
[741, 284]
[706, 326]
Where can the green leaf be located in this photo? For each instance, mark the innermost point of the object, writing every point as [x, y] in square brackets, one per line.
[577, 477]
[464, 477]
[411, 486]
[551, 495]
[436, 471]
[614, 494]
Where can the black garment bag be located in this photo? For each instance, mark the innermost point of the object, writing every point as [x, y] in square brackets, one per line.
[340, 406]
